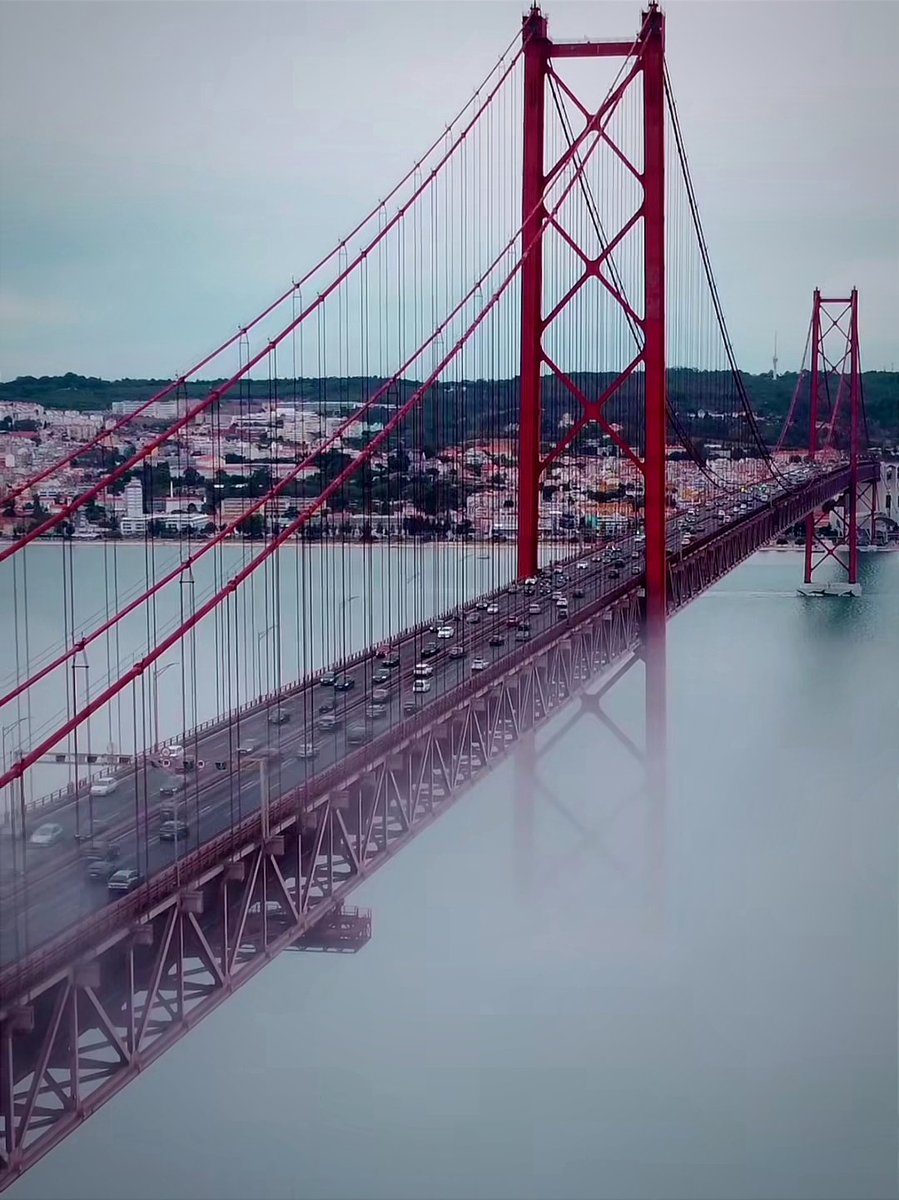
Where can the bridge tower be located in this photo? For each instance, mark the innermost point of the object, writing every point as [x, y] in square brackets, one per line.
[836, 415]
[645, 68]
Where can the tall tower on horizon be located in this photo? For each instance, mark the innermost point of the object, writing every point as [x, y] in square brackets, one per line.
[774, 359]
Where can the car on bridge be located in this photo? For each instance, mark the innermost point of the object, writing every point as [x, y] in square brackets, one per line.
[358, 733]
[122, 881]
[457, 651]
[391, 660]
[246, 748]
[173, 831]
[171, 787]
[381, 677]
[422, 670]
[279, 717]
[99, 850]
[497, 640]
[376, 711]
[430, 650]
[479, 664]
[445, 631]
[307, 750]
[522, 635]
[328, 722]
[380, 695]
[328, 679]
[101, 870]
[345, 683]
[104, 786]
[492, 610]
[47, 834]
[421, 685]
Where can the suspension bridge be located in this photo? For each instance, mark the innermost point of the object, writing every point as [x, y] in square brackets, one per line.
[498, 439]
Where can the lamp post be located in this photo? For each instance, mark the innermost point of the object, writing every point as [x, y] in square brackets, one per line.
[156, 673]
[3, 732]
[260, 638]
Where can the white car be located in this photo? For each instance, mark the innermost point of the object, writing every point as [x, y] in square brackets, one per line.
[104, 786]
[479, 664]
[492, 609]
[308, 750]
[534, 609]
[581, 566]
[421, 685]
[445, 631]
[46, 835]
[422, 670]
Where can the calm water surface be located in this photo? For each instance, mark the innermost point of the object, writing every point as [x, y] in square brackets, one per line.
[543, 1017]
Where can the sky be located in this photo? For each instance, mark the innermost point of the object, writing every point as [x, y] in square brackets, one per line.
[167, 168]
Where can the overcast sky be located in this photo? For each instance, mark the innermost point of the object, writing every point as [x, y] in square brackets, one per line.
[167, 168]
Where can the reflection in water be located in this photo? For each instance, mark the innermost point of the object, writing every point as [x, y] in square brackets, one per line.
[560, 1044]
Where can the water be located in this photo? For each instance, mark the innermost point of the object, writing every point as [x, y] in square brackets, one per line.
[565, 1025]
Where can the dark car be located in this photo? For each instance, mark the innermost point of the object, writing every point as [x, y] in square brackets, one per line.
[171, 787]
[430, 650]
[125, 880]
[381, 677]
[392, 660]
[326, 708]
[102, 869]
[344, 684]
[358, 733]
[578, 593]
[279, 717]
[511, 622]
[328, 679]
[522, 635]
[497, 640]
[173, 831]
[456, 651]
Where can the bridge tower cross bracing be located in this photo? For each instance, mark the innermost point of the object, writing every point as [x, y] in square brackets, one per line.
[835, 320]
[648, 53]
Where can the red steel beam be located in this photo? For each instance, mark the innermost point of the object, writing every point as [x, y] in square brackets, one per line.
[654, 466]
[533, 215]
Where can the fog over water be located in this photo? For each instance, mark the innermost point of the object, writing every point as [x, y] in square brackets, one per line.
[542, 1018]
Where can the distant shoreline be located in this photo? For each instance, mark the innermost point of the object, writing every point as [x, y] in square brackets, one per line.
[407, 542]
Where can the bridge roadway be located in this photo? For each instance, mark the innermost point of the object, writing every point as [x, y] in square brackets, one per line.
[52, 891]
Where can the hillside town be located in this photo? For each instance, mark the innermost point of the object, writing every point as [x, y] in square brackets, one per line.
[213, 475]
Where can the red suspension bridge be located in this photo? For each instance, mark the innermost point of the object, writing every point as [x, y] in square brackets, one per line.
[522, 343]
